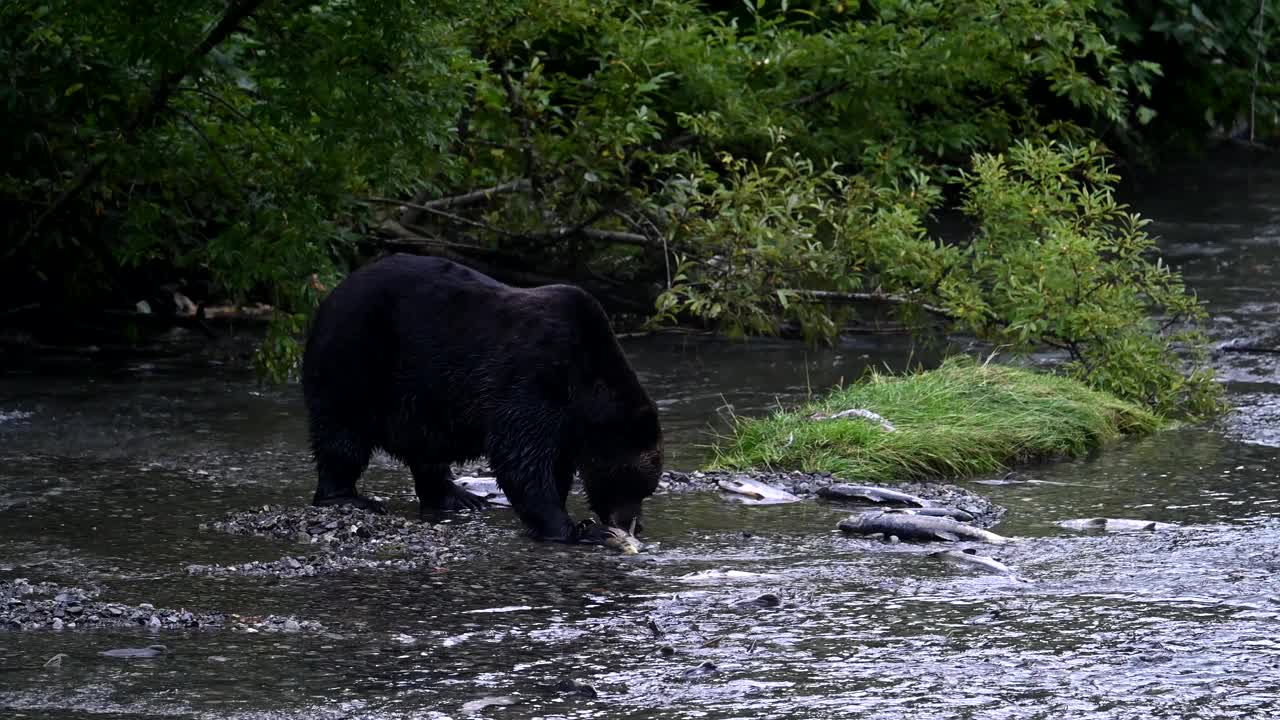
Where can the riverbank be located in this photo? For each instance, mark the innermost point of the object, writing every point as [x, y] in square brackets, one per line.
[961, 419]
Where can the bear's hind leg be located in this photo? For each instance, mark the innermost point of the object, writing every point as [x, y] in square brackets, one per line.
[436, 490]
[340, 460]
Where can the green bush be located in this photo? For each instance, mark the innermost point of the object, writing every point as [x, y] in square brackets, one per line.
[740, 165]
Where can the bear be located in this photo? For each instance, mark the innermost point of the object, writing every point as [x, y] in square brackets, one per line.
[437, 363]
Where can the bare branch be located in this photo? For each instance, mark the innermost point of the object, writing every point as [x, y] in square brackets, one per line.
[613, 236]
[475, 196]
[440, 213]
[619, 237]
[874, 297]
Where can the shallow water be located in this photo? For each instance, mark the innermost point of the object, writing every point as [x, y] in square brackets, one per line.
[106, 475]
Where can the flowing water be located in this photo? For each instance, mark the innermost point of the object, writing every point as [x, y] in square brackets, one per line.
[105, 475]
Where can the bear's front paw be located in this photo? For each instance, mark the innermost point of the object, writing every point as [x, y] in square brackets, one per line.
[590, 532]
[460, 500]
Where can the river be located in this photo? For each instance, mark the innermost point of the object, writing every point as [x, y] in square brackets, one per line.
[107, 472]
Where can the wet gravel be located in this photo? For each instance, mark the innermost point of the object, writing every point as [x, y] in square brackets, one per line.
[806, 485]
[339, 538]
[47, 606]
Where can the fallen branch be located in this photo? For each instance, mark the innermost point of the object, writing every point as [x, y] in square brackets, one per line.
[475, 196]
[614, 236]
[439, 213]
[411, 236]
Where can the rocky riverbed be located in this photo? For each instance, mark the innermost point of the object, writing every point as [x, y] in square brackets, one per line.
[46, 606]
[326, 540]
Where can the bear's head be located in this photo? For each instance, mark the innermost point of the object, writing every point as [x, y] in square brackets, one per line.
[617, 484]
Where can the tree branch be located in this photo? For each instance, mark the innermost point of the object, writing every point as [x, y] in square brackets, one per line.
[613, 236]
[475, 196]
[216, 98]
[440, 213]
[820, 95]
[213, 149]
[874, 297]
[526, 129]
[162, 89]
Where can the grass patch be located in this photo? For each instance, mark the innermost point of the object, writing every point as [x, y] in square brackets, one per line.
[961, 419]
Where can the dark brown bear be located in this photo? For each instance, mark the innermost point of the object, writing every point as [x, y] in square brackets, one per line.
[436, 363]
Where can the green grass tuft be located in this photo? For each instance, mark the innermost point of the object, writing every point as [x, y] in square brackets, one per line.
[961, 419]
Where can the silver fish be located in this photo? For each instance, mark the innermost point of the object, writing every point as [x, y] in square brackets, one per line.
[485, 487]
[1113, 524]
[871, 494]
[906, 526]
[755, 492]
[146, 652]
[947, 512]
[971, 559]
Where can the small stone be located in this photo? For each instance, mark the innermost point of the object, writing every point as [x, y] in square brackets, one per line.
[153, 622]
[115, 611]
[56, 624]
[292, 563]
[291, 625]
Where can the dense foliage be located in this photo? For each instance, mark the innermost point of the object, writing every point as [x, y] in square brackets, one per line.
[752, 166]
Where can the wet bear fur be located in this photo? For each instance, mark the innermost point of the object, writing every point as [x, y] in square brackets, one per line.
[436, 364]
